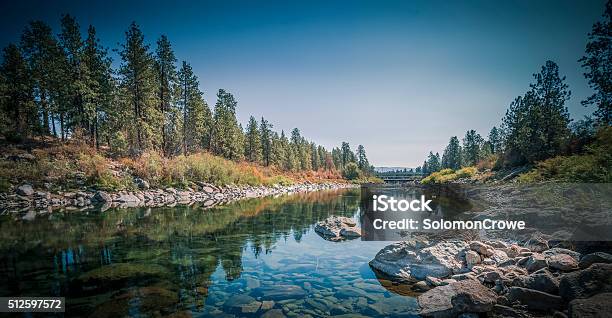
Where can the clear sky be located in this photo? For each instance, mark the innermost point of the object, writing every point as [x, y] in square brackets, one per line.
[399, 77]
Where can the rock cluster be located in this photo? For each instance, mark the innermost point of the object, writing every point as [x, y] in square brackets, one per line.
[26, 199]
[467, 278]
[338, 228]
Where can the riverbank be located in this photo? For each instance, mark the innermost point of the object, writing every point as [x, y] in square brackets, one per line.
[559, 265]
[27, 199]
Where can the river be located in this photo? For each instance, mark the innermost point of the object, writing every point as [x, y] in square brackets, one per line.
[250, 258]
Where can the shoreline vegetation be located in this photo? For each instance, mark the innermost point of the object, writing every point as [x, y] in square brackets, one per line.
[69, 112]
[537, 140]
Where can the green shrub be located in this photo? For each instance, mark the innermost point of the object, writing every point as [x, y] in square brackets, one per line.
[466, 172]
[594, 166]
[448, 175]
[351, 171]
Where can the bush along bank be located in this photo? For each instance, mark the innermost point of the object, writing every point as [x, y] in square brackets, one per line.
[25, 199]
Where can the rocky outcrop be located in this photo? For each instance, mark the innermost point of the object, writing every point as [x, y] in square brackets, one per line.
[459, 297]
[338, 228]
[598, 257]
[534, 299]
[599, 305]
[25, 190]
[513, 286]
[586, 282]
[410, 260]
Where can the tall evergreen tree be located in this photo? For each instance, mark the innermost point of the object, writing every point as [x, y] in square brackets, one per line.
[98, 102]
[18, 111]
[196, 116]
[76, 84]
[165, 66]
[41, 51]
[252, 145]
[452, 158]
[265, 129]
[472, 143]
[597, 63]
[495, 140]
[138, 84]
[226, 136]
[433, 162]
[362, 159]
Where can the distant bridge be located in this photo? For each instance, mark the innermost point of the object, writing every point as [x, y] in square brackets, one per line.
[400, 177]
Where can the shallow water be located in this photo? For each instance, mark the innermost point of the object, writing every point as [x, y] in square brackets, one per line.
[250, 258]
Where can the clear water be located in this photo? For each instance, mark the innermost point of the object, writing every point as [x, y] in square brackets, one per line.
[247, 259]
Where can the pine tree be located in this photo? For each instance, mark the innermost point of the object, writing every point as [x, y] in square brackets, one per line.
[101, 87]
[138, 84]
[76, 84]
[347, 154]
[472, 143]
[451, 158]
[165, 66]
[252, 145]
[41, 51]
[314, 155]
[597, 63]
[196, 116]
[18, 111]
[433, 162]
[362, 159]
[495, 140]
[226, 137]
[267, 144]
[536, 124]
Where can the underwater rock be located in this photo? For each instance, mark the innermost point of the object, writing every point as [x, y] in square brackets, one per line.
[336, 228]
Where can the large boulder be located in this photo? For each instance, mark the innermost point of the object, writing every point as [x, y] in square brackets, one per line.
[561, 251]
[336, 228]
[102, 197]
[481, 248]
[586, 282]
[598, 257]
[535, 262]
[534, 299]
[466, 296]
[562, 262]
[537, 244]
[25, 190]
[541, 280]
[597, 306]
[416, 260]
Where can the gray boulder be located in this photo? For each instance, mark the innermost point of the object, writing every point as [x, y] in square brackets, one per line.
[466, 296]
[336, 228]
[25, 190]
[102, 197]
[597, 306]
[141, 183]
[535, 262]
[534, 299]
[586, 282]
[562, 262]
[598, 257]
[415, 260]
[541, 280]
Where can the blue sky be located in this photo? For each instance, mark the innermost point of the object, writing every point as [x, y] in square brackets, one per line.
[399, 77]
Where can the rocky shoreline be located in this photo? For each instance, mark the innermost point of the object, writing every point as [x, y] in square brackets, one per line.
[26, 199]
[468, 278]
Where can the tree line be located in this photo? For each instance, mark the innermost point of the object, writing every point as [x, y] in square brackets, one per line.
[537, 125]
[64, 86]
